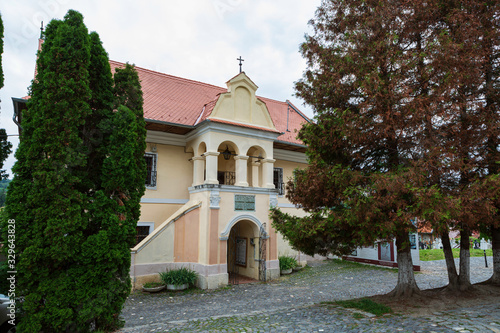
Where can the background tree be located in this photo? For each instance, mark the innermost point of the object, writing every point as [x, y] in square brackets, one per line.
[360, 82]
[465, 39]
[75, 211]
[490, 26]
[5, 146]
[3, 191]
[405, 95]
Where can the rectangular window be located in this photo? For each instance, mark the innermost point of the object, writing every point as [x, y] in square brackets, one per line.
[143, 229]
[226, 177]
[241, 251]
[413, 241]
[151, 167]
[244, 202]
[278, 180]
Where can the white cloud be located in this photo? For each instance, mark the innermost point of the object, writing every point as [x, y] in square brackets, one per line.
[196, 39]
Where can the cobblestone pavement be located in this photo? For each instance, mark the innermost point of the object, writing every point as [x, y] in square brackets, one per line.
[294, 304]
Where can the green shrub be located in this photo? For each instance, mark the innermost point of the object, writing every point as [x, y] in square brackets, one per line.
[287, 262]
[179, 276]
[4, 283]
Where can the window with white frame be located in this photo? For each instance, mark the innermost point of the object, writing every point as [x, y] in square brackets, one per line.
[151, 167]
[278, 180]
[143, 229]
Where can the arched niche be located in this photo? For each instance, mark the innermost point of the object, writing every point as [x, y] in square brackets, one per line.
[199, 165]
[254, 166]
[226, 164]
[202, 149]
[242, 104]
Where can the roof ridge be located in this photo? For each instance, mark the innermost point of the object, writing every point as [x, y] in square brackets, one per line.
[199, 82]
[171, 76]
[209, 84]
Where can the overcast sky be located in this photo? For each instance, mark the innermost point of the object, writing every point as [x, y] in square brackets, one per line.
[195, 39]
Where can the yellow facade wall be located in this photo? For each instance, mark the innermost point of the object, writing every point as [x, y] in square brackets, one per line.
[174, 173]
[288, 168]
[157, 213]
[174, 176]
[160, 250]
[284, 247]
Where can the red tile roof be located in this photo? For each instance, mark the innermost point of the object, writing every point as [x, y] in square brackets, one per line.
[426, 229]
[172, 99]
[181, 101]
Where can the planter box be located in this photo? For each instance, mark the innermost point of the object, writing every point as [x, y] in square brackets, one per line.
[177, 286]
[153, 289]
[297, 268]
[286, 271]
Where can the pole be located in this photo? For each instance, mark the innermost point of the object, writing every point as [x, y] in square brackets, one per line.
[485, 261]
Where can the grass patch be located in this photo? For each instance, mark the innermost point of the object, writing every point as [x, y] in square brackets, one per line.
[357, 315]
[366, 305]
[226, 287]
[352, 264]
[438, 254]
[304, 268]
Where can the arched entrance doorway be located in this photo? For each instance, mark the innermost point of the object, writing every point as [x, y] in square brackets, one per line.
[246, 252]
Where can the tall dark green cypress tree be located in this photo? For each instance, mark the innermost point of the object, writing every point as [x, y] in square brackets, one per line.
[102, 104]
[117, 202]
[129, 100]
[48, 207]
[76, 191]
[5, 146]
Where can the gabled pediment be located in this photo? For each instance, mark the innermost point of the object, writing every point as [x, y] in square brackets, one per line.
[240, 104]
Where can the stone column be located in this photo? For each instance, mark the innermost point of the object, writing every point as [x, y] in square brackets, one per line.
[241, 170]
[267, 173]
[211, 167]
[198, 168]
[255, 174]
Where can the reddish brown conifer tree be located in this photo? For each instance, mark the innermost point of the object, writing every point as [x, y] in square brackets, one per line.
[363, 61]
[405, 95]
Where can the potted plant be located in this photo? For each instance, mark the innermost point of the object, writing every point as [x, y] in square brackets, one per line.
[297, 268]
[287, 264]
[178, 279]
[153, 287]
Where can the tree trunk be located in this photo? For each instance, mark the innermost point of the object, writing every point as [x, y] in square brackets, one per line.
[450, 262]
[464, 274]
[495, 237]
[407, 286]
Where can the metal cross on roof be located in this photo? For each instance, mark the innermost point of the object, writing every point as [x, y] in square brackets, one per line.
[240, 59]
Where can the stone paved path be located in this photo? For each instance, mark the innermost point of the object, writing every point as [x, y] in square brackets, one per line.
[293, 304]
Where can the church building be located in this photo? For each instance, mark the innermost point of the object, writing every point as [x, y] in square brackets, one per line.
[218, 159]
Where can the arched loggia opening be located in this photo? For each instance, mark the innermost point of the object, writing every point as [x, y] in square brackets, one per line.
[241, 253]
[246, 252]
[226, 163]
[254, 166]
[199, 173]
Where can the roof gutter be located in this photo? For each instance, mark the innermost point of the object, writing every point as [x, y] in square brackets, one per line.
[168, 123]
[15, 116]
[291, 144]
